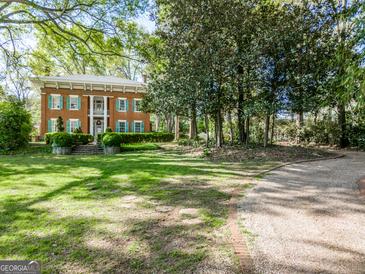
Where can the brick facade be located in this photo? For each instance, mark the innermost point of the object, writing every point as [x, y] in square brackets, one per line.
[83, 113]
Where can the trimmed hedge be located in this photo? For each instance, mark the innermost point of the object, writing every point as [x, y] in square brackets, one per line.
[78, 138]
[112, 139]
[148, 137]
[62, 139]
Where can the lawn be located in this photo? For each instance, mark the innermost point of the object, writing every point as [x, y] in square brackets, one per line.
[137, 212]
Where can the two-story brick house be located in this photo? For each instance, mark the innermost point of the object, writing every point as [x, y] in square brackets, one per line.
[92, 103]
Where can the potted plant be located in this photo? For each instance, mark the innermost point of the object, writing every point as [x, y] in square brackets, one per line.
[111, 142]
[61, 143]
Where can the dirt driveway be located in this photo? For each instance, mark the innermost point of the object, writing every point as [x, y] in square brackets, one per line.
[308, 218]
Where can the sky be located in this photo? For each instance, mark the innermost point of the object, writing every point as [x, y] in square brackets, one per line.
[145, 22]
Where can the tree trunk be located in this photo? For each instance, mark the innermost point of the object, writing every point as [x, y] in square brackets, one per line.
[342, 125]
[218, 129]
[206, 120]
[266, 129]
[231, 129]
[157, 123]
[247, 131]
[177, 128]
[272, 129]
[240, 118]
[193, 125]
[300, 124]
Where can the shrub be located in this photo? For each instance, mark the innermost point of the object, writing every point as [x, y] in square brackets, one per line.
[78, 138]
[112, 140]
[77, 130]
[108, 129]
[81, 138]
[15, 126]
[59, 124]
[148, 137]
[62, 139]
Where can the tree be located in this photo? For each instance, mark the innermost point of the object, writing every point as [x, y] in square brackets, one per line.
[59, 124]
[15, 125]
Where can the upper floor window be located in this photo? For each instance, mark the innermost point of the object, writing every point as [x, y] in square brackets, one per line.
[137, 105]
[55, 101]
[122, 105]
[73, 102]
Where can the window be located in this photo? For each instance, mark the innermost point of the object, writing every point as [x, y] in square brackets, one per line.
[55, 101]
[74, 102]
[138, 126]
[137, 105]
[52, 125]
[72, 124]
[122, 105]
[122, 126]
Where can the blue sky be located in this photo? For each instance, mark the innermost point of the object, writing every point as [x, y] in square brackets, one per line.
[145, 22]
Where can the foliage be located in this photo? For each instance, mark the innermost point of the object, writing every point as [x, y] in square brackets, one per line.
[78, 138]
[77, 130]
[108, 129]
[112, 139]
[15, 125]
[59, 124]
[139, 147]
[147, 137]
[62, 139]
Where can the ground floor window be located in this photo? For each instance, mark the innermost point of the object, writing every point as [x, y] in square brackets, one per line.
[138, 126]
[52, 125]
[121, 126]
[73, 124]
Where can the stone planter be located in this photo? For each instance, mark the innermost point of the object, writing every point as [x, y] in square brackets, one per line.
[61, 150]
[111, 150]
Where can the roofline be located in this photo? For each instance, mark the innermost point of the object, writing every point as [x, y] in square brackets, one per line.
[55, 79]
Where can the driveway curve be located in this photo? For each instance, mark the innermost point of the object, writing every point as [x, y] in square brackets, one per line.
[308, 218]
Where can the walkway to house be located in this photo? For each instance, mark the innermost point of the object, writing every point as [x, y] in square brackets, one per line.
[308, 218]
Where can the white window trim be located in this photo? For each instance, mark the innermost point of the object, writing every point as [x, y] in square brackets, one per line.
[54, 121]
[125, 124]
[134, 125]
[55, 95]
[137, 99]
[74, 96]
[73, 120]
[123, 99]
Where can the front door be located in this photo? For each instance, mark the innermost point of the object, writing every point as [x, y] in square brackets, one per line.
[98, 127]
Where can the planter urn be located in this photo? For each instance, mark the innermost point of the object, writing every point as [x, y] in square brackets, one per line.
[111, 150]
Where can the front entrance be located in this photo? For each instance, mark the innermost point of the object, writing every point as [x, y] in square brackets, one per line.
[98, 126]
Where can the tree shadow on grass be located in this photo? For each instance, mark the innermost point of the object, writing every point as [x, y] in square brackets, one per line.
[30, 231]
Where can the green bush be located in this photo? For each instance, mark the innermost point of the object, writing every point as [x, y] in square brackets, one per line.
[78, 138]
[62, 139]
[77, 130]
[81, 138]
[357, 136]
[112, 139]
[108, 130]
[148, 137]
[15, 126]
[139, 147]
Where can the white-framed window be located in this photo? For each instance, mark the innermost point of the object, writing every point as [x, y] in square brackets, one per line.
[72, 124]
[137, 105]
[55, 101]
[52, 125]
[121, 126]
[122, 104]
[74, 102]
[138, 126]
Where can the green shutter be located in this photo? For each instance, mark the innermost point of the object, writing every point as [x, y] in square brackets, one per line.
[126, 125]
[68, 102]
[61, 102]
[78, 123]
[134, 106]
[49, 125]
[126, 105]
[117, 128]
[132, 127]
[49, 101]
[117, 104]
[142, 127]
[78, 103]
[68, 126]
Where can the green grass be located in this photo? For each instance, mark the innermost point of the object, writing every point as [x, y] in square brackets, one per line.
[139, 147]
[111, 213]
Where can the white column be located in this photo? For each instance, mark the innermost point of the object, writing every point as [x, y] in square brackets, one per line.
[91, 115]
[105, 112]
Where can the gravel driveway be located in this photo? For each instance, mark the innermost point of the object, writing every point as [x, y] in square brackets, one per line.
[308, 218]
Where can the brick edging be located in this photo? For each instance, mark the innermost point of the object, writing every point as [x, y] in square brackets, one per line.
[361, 184]
[238, 240]
[301, 161]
